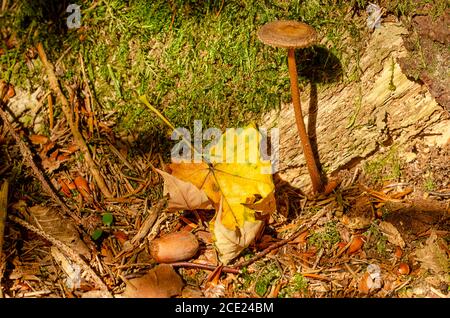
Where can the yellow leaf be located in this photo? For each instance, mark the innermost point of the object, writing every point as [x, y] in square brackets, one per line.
[230, 243]
[237, 179]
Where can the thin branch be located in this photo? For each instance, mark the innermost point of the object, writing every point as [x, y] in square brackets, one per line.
[3, 211]
[69, 117]
[3, 208]
[225, 269]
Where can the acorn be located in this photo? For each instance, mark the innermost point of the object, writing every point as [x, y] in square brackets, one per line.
[403, 269]
[174, 247]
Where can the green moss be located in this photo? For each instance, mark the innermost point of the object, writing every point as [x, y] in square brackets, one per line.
[194, 60]
[409, 8]
[429, 183]
[298, 284]
[377, 240]
[384, 167]
[245, 279]
[381, 245]
[266, 277]
[325, 237]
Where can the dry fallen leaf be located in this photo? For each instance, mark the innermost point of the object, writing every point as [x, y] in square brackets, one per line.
[365, 283]
[213, 286]
[392, 234]
[160, 282]
[72, 271]
[301, 239]
[183, 195]
[191, 292]
[50, 221]
[204, 236]
[50, 164]
[371, 280]
[431, 256]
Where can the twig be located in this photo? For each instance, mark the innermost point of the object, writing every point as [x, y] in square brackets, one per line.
[3, 208]
[319, 256]
[269, 249]
[440, 194]
[89, 102]
[3, 211]
[225, 269]
[153, 214]
[355, 176]
[148, 223]
[380, 196]
[50, 110]
[4, 5]
[220, 9]
[69, 117]
[26, 153]
[316, 276]
[399, 286]
[120, 156]
[36, 293]
[438, 293]
[156, 228]
[173, 19]
[64, 248]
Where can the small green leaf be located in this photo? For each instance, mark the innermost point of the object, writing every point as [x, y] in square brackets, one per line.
[97, 234]
[107, 219]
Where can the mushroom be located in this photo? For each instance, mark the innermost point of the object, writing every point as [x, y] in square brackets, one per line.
[292, 35]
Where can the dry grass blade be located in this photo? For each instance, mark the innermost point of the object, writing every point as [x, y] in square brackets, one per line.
[68, 114]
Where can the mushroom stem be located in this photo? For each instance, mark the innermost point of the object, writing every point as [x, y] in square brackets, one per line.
[314, 173]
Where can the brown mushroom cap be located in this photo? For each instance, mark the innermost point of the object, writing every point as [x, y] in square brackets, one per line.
[287, 34]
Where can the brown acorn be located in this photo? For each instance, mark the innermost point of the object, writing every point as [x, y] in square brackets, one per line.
[174, 247]
[403, 269]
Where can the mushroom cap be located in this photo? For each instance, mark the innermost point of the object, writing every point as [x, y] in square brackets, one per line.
[287, 34]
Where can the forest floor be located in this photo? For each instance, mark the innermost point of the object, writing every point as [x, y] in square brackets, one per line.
[381, 231]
